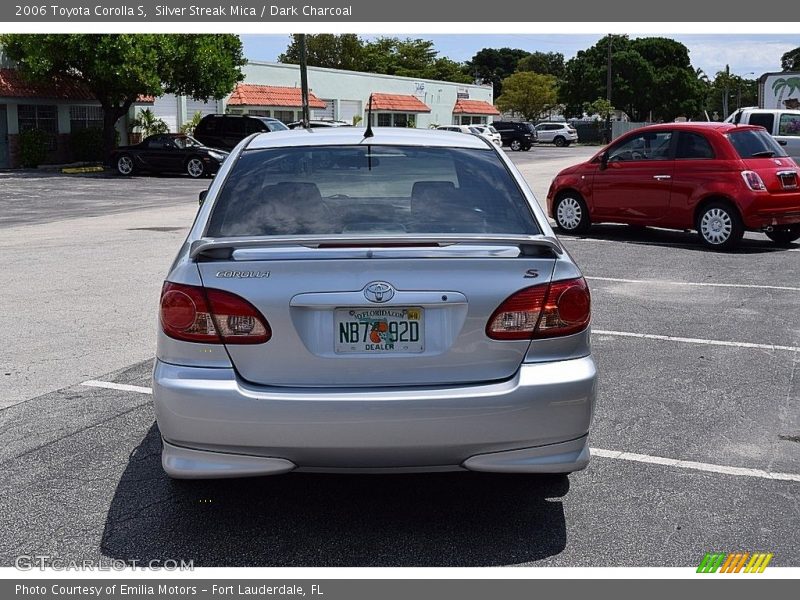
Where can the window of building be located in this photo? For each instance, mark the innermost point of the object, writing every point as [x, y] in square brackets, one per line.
[259, 112]
[84, 117]
[396, 120]
[287, 116]
[39, 116]
[471, 120]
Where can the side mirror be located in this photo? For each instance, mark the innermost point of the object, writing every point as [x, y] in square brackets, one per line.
[782, 142]
[604, 161]
[202, 196]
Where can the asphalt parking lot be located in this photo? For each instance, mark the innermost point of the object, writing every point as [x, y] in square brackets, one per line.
[696, 438]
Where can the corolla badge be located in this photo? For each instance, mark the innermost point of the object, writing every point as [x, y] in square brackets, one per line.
[378, 291]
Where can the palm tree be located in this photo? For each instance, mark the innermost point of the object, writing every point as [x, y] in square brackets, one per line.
[792, 86]
[779, 89]
[149, 123]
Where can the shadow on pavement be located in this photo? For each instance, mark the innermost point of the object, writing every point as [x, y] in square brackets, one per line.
[651, 236]
[452, 519]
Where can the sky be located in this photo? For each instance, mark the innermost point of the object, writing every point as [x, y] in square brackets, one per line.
[745, 54]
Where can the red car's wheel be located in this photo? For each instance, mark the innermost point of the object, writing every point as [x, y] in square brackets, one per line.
[571, 213]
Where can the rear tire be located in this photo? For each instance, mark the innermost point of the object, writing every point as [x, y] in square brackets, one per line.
[560, 141]
[125, 165]
[719, 226]
[571, 214]
[195, 167]
[784, 237]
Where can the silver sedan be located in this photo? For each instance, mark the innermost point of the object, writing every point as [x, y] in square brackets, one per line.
[372, 301]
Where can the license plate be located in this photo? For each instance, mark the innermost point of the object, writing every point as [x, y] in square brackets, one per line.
[789, 180]
[386, 330]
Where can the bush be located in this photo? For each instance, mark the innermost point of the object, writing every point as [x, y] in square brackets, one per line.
[189, 127]
[87, 144]
[33, 146]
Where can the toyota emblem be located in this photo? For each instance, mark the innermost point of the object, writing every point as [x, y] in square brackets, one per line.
[378, 291]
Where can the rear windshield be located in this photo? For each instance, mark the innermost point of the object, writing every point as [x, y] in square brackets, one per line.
[369, 189]
[755, 143]
[275, 126]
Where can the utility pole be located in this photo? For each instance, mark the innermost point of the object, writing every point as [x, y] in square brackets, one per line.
[304, 80]
[726, 91]
[608, 91]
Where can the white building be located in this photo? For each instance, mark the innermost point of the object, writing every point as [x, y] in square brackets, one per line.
[272, 89]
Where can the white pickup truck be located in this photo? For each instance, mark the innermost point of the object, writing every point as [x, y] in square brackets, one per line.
[783, 125]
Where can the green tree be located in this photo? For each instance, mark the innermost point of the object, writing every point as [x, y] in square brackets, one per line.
[651, 77]
[344, 51]
[493, 65]
[790, 61]
[410, 58]
[600, 107]
[118, 68]
[728, 91]
[546, 63]
[527, 93]
[444, 69]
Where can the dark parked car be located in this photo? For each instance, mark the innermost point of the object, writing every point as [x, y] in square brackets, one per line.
[168, 153]
[516, 135]
[720, 179]
[225, 131]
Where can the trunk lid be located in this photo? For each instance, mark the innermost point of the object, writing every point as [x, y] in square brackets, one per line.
[327, 332]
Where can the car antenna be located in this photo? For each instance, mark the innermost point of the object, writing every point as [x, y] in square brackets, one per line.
[368, 133]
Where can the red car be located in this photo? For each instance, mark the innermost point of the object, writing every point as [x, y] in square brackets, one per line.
[718, 178]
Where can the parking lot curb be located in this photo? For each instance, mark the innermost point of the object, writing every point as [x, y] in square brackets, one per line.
[79, 170]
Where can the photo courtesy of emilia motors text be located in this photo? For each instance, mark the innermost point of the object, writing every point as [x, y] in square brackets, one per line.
[347, 299]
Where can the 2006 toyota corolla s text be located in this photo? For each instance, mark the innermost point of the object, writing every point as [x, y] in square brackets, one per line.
[385, 303]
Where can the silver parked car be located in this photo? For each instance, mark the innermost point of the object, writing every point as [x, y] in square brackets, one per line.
[372, 304]
[560, 134]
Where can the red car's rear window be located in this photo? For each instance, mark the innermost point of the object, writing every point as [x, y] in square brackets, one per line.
[755, 143]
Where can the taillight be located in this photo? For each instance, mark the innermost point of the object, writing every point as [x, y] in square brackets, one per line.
[194, 314]
[542, 311]
[753, 181]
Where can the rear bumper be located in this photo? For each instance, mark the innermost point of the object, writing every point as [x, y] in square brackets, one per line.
[771, 210]
[215, 425]
[772, 218]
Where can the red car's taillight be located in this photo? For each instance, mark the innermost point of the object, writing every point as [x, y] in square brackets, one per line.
[754, 181]
[195, 314]
[542, 311]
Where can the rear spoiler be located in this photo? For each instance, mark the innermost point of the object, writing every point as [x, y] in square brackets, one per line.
[529, 245]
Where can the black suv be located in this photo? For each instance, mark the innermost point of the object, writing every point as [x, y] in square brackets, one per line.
[225, 131]
[516, 135]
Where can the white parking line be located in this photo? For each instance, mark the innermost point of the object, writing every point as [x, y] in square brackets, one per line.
[685, 340]
[118, 386]
[690, 464]
[697, 284]
[612, 454]
[646, 243]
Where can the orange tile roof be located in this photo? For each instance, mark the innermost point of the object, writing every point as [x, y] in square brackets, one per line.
[250, 94]
[398, 103]
[145, 99]
[475, 107]
[14, 85]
